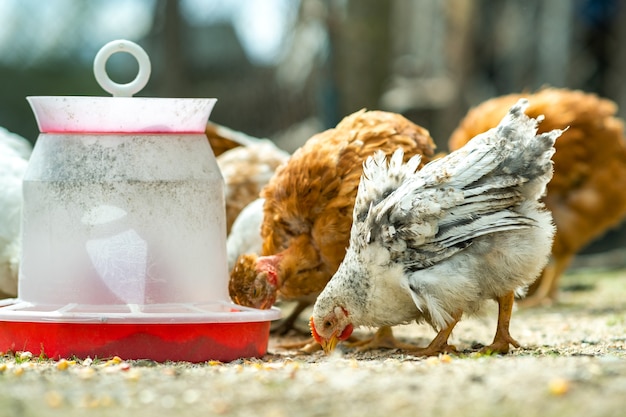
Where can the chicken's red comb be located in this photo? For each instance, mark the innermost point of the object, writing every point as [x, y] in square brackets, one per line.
[314, 333]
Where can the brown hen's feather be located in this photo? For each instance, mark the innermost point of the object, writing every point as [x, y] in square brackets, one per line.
[309, 201]
[586, 195]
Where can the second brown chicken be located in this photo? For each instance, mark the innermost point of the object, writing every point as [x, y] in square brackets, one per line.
[308, 208]
[586, 195]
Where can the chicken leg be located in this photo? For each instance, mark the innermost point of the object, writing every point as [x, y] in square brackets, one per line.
[503, 339]
[440, 343]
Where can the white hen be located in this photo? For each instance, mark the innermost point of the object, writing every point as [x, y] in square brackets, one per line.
[14, 154]
[434, 244]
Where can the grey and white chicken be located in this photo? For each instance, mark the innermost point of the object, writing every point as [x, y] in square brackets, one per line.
[14, 154]
[435, 244]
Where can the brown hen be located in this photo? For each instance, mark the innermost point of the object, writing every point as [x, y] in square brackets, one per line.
[308, 208]
[586, 195]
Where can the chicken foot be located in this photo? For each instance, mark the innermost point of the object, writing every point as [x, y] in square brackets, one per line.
[383, 339]
[440, 343]
[503, 339]
[306, 346]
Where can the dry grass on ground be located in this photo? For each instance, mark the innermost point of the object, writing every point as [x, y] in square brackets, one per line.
[573, 364]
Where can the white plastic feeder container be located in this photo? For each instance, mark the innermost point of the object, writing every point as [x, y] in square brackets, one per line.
[123, 232]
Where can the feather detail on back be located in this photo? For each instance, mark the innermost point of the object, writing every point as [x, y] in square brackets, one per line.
[427, 216]
[379, 179]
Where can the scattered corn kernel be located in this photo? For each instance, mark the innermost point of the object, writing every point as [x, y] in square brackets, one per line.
[63, 364]
[445, 358]
[18, 371]
[116, 360]
[3, 367]
[215, 363]
[558, 386]
[54, 399]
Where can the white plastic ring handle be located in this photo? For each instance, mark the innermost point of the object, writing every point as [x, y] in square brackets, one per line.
[122, 90]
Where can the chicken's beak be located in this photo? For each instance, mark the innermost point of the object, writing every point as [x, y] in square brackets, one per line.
[267, 303]
[330, 344]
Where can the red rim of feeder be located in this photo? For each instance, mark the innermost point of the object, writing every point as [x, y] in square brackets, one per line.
[220, 331]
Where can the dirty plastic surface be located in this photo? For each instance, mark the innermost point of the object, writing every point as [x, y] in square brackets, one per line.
[121, 114]
[118, 219]
[124, 236]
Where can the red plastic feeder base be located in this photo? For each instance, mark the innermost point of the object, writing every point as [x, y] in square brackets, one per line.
[194, 332]
[161, 342]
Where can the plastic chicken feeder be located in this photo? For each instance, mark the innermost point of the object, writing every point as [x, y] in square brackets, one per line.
[123, 233]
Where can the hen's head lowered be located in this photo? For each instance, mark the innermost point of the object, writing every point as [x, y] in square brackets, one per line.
[331, 328]
[254, 281]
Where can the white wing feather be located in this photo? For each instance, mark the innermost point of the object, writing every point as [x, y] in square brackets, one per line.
[432, 214]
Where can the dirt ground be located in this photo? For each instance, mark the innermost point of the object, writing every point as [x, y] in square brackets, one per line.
[573, 363]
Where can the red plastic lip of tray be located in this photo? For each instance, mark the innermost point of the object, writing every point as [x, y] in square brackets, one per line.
[60, 131]
[190, 342]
